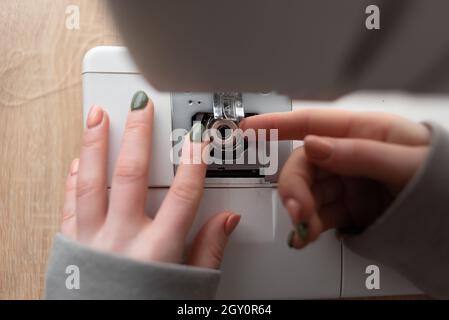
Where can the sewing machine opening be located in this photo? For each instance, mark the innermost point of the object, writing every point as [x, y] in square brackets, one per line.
[230, 152]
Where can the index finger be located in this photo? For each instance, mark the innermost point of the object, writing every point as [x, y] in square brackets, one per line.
[341, 123]
[178, 210]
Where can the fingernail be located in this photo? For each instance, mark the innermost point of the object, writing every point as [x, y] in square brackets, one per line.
[302, 229]
[318, 148]
[196, 133]
[293, 207]
[139, 101]
[74, 167]
[231, 223]
[95, 117]
[290, 237]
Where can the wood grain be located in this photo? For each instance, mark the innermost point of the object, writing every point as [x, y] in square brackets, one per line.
[40, 127]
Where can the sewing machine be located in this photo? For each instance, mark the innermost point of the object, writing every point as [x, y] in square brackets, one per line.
[257, 262]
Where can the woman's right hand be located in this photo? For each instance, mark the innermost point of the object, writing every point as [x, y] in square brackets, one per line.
[352, 166]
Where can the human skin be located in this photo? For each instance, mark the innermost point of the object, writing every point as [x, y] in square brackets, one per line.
[117, 223]
[351, 168]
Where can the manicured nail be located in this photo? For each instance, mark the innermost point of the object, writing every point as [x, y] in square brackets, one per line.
[196, 133]
[302, 229]
[293, 207]
[95, 117]
[139, 101]
[318, 148]
[290, 237]
[231, 223]
[74, 167]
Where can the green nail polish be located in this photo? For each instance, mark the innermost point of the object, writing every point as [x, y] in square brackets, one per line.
[290, 239]
[302, 230]
[196, 133]
[139, 101]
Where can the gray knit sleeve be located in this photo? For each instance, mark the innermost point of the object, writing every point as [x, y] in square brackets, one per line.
[107, 276]
[412, 236]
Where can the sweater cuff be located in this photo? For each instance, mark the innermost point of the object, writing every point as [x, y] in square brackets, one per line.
[109, 276]
[412, 236]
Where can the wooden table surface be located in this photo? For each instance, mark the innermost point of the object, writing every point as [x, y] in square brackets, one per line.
[40, 127]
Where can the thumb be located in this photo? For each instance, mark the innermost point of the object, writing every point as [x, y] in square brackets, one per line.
[386, 162]
[209, 244]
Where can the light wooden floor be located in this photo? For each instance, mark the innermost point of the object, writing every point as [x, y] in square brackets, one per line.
[40, 127]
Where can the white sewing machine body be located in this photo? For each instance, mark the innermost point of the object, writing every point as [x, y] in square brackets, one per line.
[258, 262]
